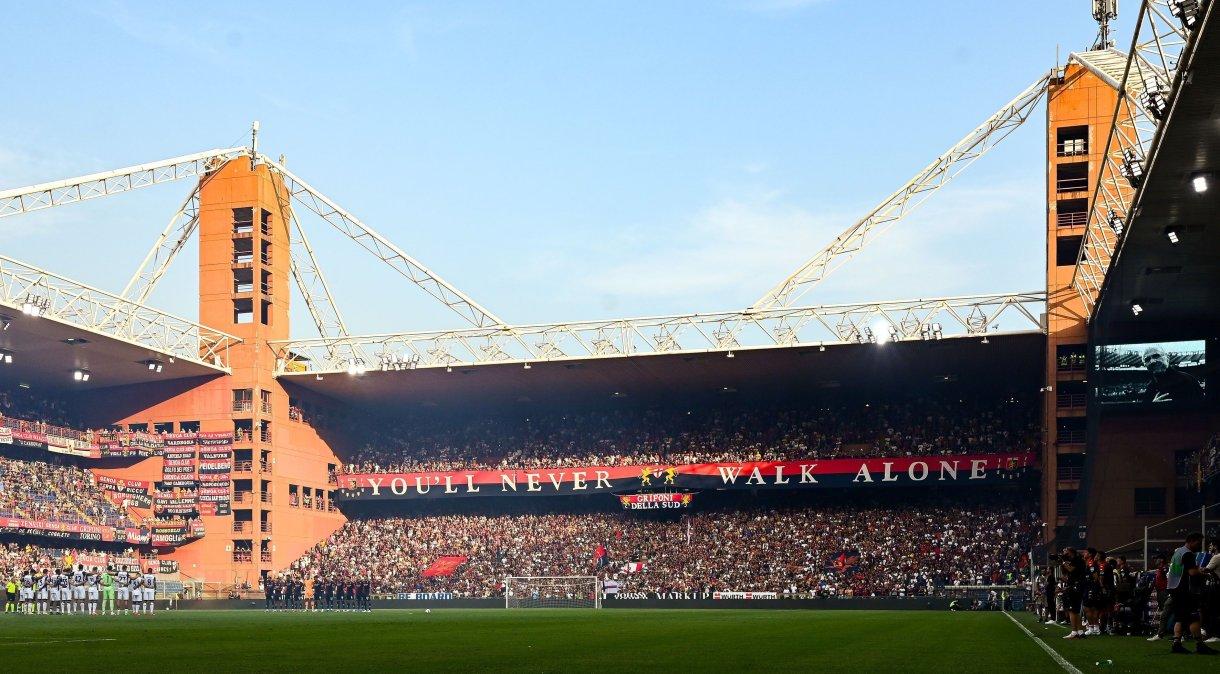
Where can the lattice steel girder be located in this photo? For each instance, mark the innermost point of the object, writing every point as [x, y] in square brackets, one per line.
[685, 333]
[62, 299]
[908, 197]
[179, 230]
[1147, 96]
[92, 186]
[386, 251]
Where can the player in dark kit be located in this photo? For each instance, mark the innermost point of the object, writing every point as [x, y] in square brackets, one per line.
[268, 593]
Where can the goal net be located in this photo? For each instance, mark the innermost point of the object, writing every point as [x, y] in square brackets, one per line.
[552, 592]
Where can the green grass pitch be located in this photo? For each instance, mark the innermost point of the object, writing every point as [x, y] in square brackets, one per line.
[563, 640]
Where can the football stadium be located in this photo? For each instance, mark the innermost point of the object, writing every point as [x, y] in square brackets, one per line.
[1017, 479]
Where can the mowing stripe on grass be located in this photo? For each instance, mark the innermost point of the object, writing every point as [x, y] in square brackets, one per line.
[1067, 666]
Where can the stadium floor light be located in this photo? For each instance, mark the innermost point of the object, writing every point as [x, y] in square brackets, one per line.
[81, 375]
[1171, 233]
[730, 355]
[527, 366]
[1200, 182]
[6, 357]
[154, 365]
[1136, 308]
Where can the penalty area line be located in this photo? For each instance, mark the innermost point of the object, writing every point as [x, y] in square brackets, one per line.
[1062, 662]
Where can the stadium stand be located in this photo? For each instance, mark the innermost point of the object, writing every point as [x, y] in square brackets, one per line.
[699, 434]
[49, 491]
[898, 547]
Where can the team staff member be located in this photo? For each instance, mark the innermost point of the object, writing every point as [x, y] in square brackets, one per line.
[309, 589]
[1075, 577]
[1185, 588]
[10, 591]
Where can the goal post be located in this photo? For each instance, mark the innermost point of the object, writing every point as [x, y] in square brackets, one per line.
[552, 592]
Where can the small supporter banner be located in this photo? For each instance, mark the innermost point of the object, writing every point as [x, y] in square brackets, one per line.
[444, 566]
[655, 501]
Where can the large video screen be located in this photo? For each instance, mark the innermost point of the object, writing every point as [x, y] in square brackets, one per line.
[1151, 374]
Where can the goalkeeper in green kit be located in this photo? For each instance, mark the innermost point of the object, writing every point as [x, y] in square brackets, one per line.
[107, 591]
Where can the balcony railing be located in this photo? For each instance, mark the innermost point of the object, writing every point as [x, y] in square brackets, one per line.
[265, 497]
[1072, 218]
[1069, 472]
[1071, 437]
[1071, 184]
[1064, 509]
[264, 467]
[1070, 400]
[1072, 148]
[246, 466]
[243, 556]
[265, 556]
[243, 435]
[241, 526]
[265, 407]
[265, 527]
[243, 497]
[243, 405]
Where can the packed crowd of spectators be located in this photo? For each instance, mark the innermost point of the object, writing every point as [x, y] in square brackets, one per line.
[923, 426]
[830, 550]
[44, 490]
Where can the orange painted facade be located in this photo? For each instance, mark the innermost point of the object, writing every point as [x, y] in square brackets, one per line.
[1080, 108]
[280, 462]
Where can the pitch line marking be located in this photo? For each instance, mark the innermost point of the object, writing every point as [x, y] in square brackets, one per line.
[53, 641]
[1067, 666]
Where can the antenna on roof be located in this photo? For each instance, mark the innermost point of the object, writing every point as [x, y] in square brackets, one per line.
[1104, 11]
[253, 144]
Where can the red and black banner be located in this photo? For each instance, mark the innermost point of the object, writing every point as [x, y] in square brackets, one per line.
[66, 530]
[971, 469]
[178, 469]
[134, 492]
[131, 444]
[656, 500]
[215, 472]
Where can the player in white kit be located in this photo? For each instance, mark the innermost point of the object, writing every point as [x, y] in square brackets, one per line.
[78, 589]
[93, 588]
[27, 591]
[121, 591]
[65, 591]
[53, 588]
[40, 583]
[135, 583]
[150, 591]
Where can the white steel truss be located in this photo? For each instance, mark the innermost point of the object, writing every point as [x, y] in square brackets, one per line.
[385, 251]
[179, 230]
[726, 332]
[1147, 94]
[72, 190]
[54, 297]
[943, 169]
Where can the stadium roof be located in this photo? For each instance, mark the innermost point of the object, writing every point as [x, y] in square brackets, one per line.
[1007, 361]
[1175, 284]
[45, 353]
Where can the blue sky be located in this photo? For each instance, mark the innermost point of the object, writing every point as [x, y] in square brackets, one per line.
[556, 161]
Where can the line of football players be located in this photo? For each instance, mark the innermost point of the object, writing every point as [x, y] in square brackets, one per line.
[92, 591]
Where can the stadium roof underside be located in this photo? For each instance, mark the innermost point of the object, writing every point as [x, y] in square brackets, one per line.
[1003, 362]
[46, 353]
[1175, 284]
[57, 333]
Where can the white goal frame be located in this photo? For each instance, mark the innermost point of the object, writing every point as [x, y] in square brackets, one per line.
[518, 591]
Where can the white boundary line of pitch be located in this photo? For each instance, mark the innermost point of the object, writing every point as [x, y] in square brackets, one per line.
[1059, 659]
[50, 641]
